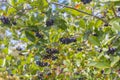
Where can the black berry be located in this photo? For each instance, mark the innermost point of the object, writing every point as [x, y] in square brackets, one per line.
[37, 34]
[46, 64]
[102, 71]
[54, 57]
[39, 63]
[19, 48]
[106, 24]
[14, 23]
[51, 51]
[42, 64]
[119, 9]
[5, 20]
[100, 50]
[94, 34]
[111, 51]
[47, 56]
[73, 39]
[79, 49]
[67, 40]
[49, 22]
[49, 73]
[86, 1]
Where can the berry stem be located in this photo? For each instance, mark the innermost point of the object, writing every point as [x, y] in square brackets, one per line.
[114, 11]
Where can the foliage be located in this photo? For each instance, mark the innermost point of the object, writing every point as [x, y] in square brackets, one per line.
[74, 40]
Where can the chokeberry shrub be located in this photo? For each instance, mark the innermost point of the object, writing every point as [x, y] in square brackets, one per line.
[60, 40]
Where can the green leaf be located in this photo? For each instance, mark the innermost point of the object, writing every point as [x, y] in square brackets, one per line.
[30, 36]
[1, 62]
[115, 24]
[115, 60]
[82, 23]
[71, 11]
[116, 2]
[42, 4]
[99, 64]
[98, 23]
[102, 64]
[11, 11]
[61, 23]
[109, 40]
[94, 40]
[5, 50]
[92, 63]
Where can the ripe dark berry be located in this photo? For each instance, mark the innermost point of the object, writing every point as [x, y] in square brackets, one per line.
[5, 20]
[111, 51]
[46, 64]
[119, 9]
[51, 51]
[94, 34]
[39, 63]
[19, 48]
[67, 40]
[102, 71]
[38, 35]
[106, 24]
[73, 39]
[49, 22]
[77, 73]
[14, 23]
[86, 1]
[54, 57]
[79, 49]
[46, 56]
[100, 50]
[42, 64]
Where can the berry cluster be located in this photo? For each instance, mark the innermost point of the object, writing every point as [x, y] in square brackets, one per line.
[49, 22]
[5, 20]
[111, 51]
[51, 51]
[37, 34]
[67, 40]
[54, 57]
[42, 64]
[47, 56]
[86, 1]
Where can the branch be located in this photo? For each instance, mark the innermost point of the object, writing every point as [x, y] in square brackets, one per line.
[114, 11]
[79, 11]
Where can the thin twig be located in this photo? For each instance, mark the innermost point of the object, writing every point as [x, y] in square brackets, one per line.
[79, 11]
[114, 11]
